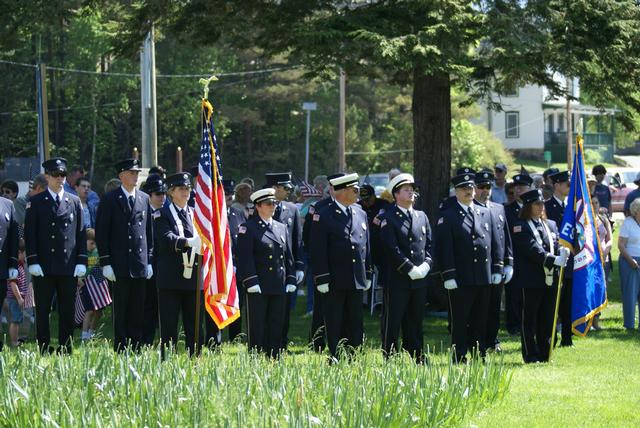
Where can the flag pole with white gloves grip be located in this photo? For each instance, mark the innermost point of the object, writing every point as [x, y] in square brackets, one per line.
[508, 273]
[107, 272]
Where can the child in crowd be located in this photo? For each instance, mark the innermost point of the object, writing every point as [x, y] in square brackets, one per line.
[16, 293]
[93, 289]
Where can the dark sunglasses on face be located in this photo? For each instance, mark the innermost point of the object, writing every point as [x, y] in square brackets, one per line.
[158, 193]
[484, 186]
[59, 174]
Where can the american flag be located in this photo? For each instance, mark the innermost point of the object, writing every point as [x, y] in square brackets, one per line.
[220, 292]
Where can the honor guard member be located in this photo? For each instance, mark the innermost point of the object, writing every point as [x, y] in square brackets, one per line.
[235, 218]
[177, 245]
[156, 188]
[512, 297]
[468, 258]
[266, 272]
[554, 209]
[484, 181]
[8, 247]
[56, 244]
[287, 213]
[405, 235]
[341, 260]
[124, 234]
[317, 332]
[535, 241]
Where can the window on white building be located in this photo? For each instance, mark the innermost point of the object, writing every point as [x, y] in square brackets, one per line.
[512, 124]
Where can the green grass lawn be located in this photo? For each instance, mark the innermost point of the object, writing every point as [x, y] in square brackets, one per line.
[596, 383]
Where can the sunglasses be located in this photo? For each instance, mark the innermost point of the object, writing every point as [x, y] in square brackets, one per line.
[58, 174]
[484, 186]
[159, 193]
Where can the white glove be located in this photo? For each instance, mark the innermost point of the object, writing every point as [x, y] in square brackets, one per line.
[79, 271]
[149, 271]
[107, 272]
[565, 251]
[508, 273]
[496, 278]
[194, 242]
[561, 260]
[425, 268]
[35, 270]
[290, 288]
[13, 273]
[299, 276]
[415, 273]
[450, 284]
[254, 289]
[323, 288]
[367, 284]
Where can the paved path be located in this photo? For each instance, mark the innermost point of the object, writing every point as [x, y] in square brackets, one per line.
[633, 161]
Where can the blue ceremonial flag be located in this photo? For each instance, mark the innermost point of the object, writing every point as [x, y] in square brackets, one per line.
[579, 232]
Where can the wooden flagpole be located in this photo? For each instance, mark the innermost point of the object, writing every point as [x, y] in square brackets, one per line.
[555, 313]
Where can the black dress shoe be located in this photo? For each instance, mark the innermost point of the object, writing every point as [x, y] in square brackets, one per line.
[497, 348]
[566, 344]
[1, 345]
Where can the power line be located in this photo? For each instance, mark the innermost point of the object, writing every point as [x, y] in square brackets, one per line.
[379, 152]
[20, 64]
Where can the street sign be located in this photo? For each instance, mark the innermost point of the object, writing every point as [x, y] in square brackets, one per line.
[309, 106]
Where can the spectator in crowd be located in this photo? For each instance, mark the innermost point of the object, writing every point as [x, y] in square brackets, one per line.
[321, 183]
[9, 189]
[16, 294]
[249, 181]
[602, 191]
[632, 196]
[498, 189]
[83, 187]
[39, 185]
[241, 198]
[77, 172]
[605, 237]
[94, 289]
[629, 246]
[112, 184]
[538, 182]
[310, 194]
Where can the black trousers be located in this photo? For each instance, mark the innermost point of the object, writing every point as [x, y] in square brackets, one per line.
[212, 334]
[235, 328]
[317, 332]
[493, 315]
[564, 311]
[265, 318]
[468, 313]
[538, 308]
[513, 306]
[404, 308]
[171, 304]
[150, 322]
[343, 318]
[44, 288]
[128, 312]
[287, 318]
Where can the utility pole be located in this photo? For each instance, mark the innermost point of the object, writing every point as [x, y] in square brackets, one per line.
[43, 112]
[569, 126]
[148, 95]
[342, 166]
[308, 107]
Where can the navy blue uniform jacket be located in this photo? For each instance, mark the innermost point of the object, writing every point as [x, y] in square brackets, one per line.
[124, 238]
[55, 239]
[531, 257]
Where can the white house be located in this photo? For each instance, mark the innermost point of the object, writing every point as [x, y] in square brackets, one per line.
[531, 122]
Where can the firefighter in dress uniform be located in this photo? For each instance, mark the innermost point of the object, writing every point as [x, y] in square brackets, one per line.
[266, 272]
[178, 242]
[537, 257]
[469, 263]
[341, 259]
[405, 236]
[124, 235]
[56, 245]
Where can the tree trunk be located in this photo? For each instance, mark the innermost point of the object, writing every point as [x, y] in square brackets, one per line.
[431, 107]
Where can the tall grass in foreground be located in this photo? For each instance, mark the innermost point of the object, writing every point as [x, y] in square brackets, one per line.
[95, 387]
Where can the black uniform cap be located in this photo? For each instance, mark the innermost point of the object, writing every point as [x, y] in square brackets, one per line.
[179, 179]
[154, 183]
[127, 165]
[55, 164]
[532, 196]
[522, 180]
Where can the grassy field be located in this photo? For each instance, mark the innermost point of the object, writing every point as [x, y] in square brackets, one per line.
[596, 383]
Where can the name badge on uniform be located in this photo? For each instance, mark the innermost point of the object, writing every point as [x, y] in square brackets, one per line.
[364, 225]
[500, 217]
[424, 229]
[282, 237]
[242, 229]
[71, 217]
[6, 215]
[486, 226]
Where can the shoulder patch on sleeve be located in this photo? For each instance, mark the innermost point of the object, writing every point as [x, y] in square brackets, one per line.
[312, 209]
[316, 217]
[28, 205]
[517, 229]
[242, 229]
[441, 220]
[156, 214]
[376, 221]
[383, 224]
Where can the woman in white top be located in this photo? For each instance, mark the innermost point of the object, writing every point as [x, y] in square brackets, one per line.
[629, 246]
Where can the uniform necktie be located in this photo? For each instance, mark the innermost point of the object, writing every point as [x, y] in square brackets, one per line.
[278, 211]
[562, 205]
[131, 203]
[57, 201]
[186, 224]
